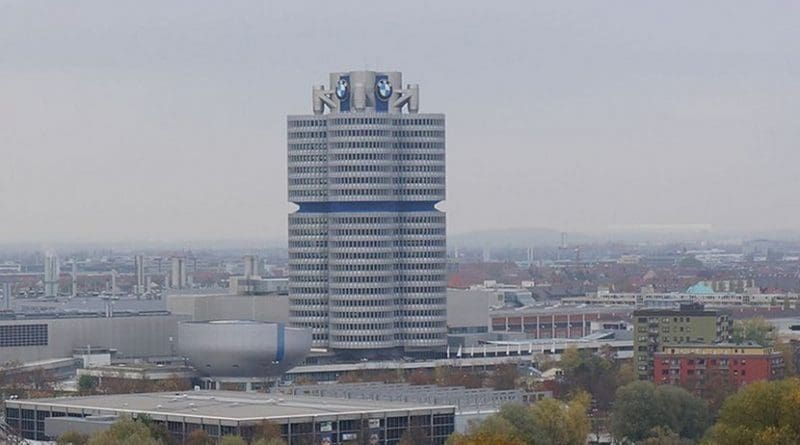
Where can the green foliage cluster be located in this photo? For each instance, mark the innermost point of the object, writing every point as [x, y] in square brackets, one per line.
[663, 436]
[548, 422]
[762, 413]
[144, 431]
[643, 411]
[596, 373]
[86, 384]
[756, 330]
[268, 433]
[640, 412]
[125, 432]
[198, 437]
[503, 377]
[72, 438]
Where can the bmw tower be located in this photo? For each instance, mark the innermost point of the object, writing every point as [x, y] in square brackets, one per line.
[367, 251]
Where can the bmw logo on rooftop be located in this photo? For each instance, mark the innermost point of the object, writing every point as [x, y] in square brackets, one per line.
[384, 88]
[342, 88]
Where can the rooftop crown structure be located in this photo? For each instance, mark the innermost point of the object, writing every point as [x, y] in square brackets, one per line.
[367, 248]
[361, 91]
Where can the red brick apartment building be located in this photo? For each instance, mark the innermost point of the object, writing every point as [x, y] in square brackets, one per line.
[694, 365]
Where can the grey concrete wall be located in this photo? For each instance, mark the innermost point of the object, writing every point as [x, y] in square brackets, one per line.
[466, 308]
[273, 308]
[130, 336]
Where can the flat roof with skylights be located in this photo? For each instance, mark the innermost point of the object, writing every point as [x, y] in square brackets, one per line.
[227, 412]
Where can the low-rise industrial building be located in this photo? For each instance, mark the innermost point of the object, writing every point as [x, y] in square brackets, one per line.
[468, 315]
[28, 337]
[484, 356]
[302, 420]
[146, 372]
[540, 322]
[472, 404]
[668, 300]
[256, 285]
[200, 307]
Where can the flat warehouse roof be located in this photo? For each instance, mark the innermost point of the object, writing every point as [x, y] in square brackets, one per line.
[546, 311]
[224, 405]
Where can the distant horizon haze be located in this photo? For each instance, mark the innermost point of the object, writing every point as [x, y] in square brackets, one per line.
[518, 237]
[151, 120]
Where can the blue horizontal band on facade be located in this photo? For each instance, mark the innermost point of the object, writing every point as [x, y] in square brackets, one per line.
[366, 206]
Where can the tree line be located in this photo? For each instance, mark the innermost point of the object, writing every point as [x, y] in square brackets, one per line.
[144, 431]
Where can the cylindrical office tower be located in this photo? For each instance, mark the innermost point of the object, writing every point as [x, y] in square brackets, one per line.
[367, 253]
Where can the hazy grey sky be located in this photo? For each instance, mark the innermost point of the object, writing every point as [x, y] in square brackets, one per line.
[154, 119]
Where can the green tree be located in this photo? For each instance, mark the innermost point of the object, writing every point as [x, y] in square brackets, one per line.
[268, 433]
[483, 438]
[663, 436]
[625, 373]
[547, 422]
[757, 330]
[157, 430]
[232, 440]
[125, 432]
[72, 438]
[788, 350]
[641, 406]
[557, 423]
[762, 413]
[590, 372]
[86, 384]
[504, 376]
[713, 387]
[273, 441]
[520, 419]
[198, 437]
[495, 428]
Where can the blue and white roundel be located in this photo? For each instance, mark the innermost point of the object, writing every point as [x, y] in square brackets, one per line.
[342, 89]
[384, 88]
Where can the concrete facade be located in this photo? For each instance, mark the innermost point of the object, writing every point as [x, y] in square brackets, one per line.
[468, 316]
[367, 248]
[177, 277]
[469, 309]
[256, 285]
[272, 308]
[52, 272]
[691, 323]
[555, 321]
[39, 338]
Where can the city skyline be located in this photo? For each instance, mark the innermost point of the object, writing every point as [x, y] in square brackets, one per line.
[428, 223]
[149, 121]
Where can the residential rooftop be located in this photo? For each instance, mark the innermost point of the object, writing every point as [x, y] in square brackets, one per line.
[689, 309]
[716, 346]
